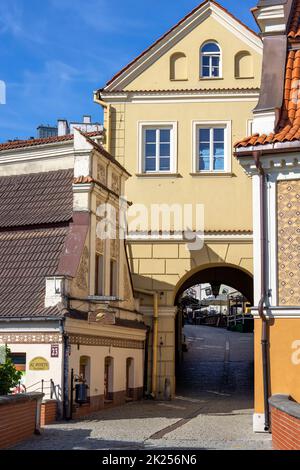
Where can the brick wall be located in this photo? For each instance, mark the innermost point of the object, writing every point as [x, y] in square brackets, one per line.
[17, 418]
[285, 423]
[48, 412]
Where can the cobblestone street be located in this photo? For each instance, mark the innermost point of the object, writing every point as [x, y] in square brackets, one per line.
[212, 410]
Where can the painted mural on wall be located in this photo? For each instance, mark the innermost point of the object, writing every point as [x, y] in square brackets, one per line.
[288, 202]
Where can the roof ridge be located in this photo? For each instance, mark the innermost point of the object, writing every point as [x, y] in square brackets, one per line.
[41, 141]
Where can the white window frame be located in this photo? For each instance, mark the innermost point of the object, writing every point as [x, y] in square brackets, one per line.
[207, 54]
[249, 127]
[142, 127]
[227, 125]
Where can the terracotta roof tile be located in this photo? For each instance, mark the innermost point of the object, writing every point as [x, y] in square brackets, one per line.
[36, 199]
[294, 31]
[288, 128]
[26, 258]
[49, 140]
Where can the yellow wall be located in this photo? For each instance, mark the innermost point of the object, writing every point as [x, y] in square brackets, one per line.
[227, 198]
[157, 76]
[217, 193]
[284, 373]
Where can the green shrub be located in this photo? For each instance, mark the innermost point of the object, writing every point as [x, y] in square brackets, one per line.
[9, 375]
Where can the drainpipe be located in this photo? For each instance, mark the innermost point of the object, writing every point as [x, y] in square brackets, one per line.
[65, 394]
[155, 337]
[262, 302]
[106, 106]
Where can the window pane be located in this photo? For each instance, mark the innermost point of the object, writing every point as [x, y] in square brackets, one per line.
[150, 136]
[205, 71]
[150, 150]
[215, 61]
[211, 47]
[150, 164]
[204, 135]
[165, 135]
[164, 150]
[219, 135]
[219, 164]
[164, 164]
[218, 156]
[205, 60]
[215, 72]
[204, 164]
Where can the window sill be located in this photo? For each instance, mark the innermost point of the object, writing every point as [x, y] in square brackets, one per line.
[158, 175]
[223, 174]
[244, 78]
[201, 79]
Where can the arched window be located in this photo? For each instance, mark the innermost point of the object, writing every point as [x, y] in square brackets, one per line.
[178, 66]
[243, 65]
[85, 370]
[210, 60]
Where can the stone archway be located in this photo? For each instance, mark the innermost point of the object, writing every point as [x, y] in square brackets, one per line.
[219, 273]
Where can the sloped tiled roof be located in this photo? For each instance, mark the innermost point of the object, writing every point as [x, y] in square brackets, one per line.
[35, 213]
[295, 22]
[288, 128]
[17, 144]
[26, 258]
[37, 198]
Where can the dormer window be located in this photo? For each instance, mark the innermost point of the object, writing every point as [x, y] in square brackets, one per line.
[210, 60]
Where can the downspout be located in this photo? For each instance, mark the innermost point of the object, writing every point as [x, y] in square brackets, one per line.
[155, 338]
[65, 394]
[108, 109]
[262, 302]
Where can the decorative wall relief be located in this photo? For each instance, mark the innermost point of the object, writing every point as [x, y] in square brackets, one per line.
[288, 216]
[101, 173]
[82, 275]
[115, 183]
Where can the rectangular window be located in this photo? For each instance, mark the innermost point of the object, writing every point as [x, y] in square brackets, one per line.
[99, 280]
[19, 361]
[210, 66]
[158, 149]
[211, 148]
[113, 278]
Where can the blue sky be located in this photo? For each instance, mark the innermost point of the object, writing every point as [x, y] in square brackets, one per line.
[54, 53]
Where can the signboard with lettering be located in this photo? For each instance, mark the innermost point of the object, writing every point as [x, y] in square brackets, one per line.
[39, 363]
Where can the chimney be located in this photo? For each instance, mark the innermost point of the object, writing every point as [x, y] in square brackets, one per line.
[272, 15]
[87, 119]
[63, 127]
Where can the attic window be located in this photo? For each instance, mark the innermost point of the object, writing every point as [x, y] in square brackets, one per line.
[210, 60]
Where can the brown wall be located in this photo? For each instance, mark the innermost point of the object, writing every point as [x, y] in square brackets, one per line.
[48, 412]
[285, 430]
[17, 419]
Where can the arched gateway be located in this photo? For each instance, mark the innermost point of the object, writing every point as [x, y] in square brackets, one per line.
[217, 274]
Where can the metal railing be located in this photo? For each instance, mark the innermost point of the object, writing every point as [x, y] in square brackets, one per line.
[42, 386]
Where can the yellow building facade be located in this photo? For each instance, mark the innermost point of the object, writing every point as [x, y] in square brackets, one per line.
[171, 117]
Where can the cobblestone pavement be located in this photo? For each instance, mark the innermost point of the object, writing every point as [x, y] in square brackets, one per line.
[212, 410]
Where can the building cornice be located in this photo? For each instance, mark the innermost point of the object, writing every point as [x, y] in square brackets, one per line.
[204, 95]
